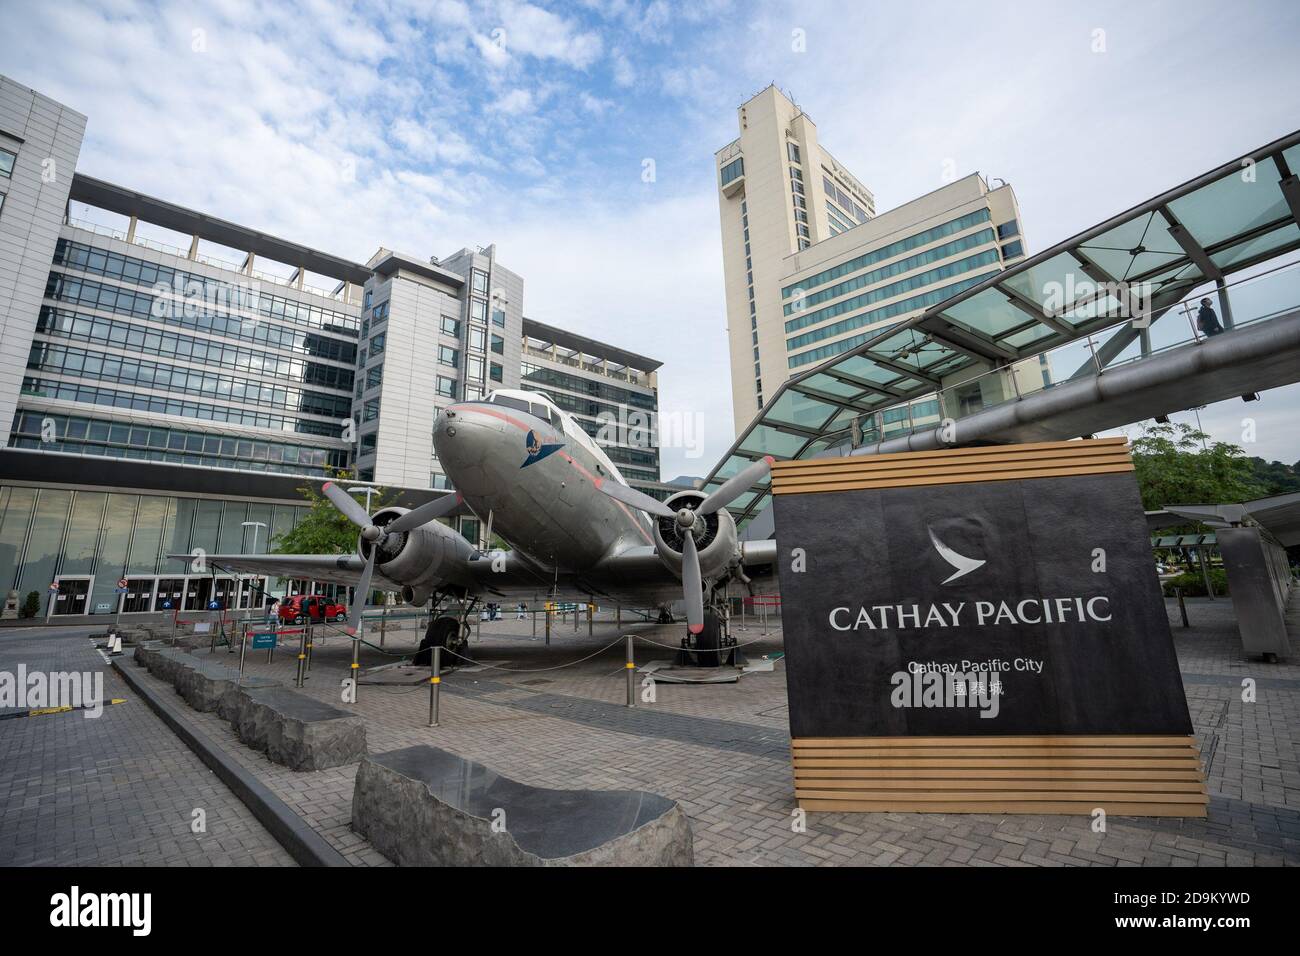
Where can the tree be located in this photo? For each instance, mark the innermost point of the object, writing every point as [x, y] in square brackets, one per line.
[32, 604]
[1176, 466]
[325, 529]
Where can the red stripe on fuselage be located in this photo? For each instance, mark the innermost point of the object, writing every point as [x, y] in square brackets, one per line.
[492, 412]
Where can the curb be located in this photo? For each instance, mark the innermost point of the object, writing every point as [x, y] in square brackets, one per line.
[303, 843]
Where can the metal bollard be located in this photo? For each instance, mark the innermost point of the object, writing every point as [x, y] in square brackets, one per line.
[383, 626]
[548, 627]
[590, 615]
[435, 684]
[356, 666]
[630, 667]
[302, 657]
[311, 634]
[243, 649]
[1182, 606]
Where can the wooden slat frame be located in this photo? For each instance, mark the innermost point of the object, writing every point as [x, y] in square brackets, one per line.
[1097, 456]
[1132, 775]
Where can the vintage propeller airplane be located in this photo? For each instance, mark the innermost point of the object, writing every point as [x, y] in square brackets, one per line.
[576, 529]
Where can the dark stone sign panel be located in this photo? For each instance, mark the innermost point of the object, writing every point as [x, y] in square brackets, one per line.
[1068, 645]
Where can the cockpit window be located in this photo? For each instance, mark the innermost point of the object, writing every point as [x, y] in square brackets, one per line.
[518, 404]
[542, 412]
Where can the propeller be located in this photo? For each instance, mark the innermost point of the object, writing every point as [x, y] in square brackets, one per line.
[438, 508]
[687, 519]
[361, 595]
[371, 532]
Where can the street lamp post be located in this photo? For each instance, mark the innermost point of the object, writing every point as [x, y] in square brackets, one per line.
[368, 489]
[256, 526]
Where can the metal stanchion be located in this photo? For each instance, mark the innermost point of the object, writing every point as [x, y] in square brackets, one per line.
[618, 616]
[575, 618]
[548, 625]
[176, 614]
[630, 667]
[590, 615]
[383, 626]
[533, 617]
[270, 651]
[243, 649]
[311, 635]
[1182, 606]
[356, 666]
[435, 683]
[302, 657]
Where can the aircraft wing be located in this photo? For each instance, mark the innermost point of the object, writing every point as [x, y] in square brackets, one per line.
[333, 568]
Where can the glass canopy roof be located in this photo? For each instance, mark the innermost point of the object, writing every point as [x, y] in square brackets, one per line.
[1231, 218]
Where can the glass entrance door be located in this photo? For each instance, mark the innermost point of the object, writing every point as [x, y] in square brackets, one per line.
[138, 596]
[72, 596]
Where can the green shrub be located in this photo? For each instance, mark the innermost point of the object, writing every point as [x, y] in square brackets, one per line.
[32, 604]
[1193, 583]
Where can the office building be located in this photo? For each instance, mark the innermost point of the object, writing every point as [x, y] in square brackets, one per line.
[811, 269]
[170, 378]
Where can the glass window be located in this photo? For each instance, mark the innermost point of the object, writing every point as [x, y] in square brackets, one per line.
[496, 372]
[1008, 229]
[446, 387]
[450, 326]
[733, 170]
[792, 150]
[474, 369]
[498, 345]
[1012, 249]
[480, 281]
[449, 356]
[499, 318]
[7, 163]
[478, 309]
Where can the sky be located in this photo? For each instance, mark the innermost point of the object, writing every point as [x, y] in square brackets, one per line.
[579, 137]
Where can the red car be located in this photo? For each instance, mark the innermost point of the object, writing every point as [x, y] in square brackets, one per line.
[302, 608]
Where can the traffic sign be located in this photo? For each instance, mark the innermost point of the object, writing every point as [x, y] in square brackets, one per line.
[54, 585]
[121, 583]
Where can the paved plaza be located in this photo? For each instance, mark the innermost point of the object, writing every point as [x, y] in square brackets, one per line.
[116, 790]
[556, 717]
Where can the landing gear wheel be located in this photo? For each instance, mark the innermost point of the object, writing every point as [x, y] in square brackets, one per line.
[442, 632]
[708, 641]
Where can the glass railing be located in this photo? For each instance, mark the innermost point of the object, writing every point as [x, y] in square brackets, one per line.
[1252, 300]
[205, 258]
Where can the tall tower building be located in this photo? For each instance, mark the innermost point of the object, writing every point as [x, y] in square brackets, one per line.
[809, 267]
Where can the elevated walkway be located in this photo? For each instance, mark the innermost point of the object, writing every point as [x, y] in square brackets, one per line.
[1096, 332]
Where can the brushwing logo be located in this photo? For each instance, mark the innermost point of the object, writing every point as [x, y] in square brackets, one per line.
[536, 450]
[962, 565]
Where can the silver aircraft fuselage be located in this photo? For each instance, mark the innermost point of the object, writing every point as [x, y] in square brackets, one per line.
[538, 480]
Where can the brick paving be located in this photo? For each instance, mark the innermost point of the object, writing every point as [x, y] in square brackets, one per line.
[723, 752]
[115, 790]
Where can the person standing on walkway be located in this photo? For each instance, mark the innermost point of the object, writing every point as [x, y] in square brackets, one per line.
[1207, 321]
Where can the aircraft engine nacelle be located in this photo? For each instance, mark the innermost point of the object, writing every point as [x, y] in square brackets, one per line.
[428, 557]
[717, 546]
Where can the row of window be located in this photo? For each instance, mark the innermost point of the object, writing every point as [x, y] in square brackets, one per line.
[94, 295]
[123, 334]
[925, 301]
[78, 255]
[111, 398]
[67, 360]
[543, 375]
[733, 170]
[99, 432]
[865, 279]
[844, 200]
[171, 457]
[888, 252]
[918, 281]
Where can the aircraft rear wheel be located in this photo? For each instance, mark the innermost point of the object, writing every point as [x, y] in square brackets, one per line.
[442, 632]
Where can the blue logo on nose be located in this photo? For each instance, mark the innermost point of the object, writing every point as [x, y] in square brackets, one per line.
[536, 450]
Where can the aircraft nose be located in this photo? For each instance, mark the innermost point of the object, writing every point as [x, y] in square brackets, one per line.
[468, 443]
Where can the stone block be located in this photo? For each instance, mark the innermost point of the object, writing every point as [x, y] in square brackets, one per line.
[422, 806]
